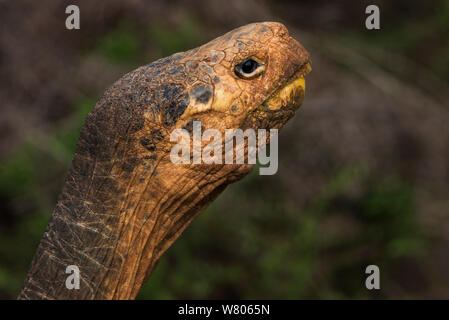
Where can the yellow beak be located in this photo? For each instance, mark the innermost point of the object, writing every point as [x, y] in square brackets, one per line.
[290, 95]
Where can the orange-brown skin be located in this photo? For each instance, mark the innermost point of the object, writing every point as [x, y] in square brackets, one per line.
[124, 202]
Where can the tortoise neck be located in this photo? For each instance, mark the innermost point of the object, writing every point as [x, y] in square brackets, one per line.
[115, 227]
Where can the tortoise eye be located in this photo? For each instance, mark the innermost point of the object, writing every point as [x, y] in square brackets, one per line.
[249, 69]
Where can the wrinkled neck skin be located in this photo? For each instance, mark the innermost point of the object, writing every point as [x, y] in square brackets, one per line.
[116, 235]
[123, 203]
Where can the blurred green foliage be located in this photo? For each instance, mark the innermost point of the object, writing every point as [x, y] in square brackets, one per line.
[186, 36]
[127, 44]
[422, 39]
[120, 45]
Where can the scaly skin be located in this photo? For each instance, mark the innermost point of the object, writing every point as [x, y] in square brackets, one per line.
[124, 202]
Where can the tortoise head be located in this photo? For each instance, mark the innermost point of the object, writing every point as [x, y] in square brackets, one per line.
[250, 77]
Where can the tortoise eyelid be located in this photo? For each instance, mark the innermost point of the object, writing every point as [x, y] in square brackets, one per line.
[258, 71]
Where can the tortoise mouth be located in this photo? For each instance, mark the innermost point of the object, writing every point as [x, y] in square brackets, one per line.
[291, 94]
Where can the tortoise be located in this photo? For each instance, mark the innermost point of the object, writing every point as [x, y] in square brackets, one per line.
[124, 202]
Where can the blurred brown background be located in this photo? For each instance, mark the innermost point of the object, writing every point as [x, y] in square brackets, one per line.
[364, 168]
